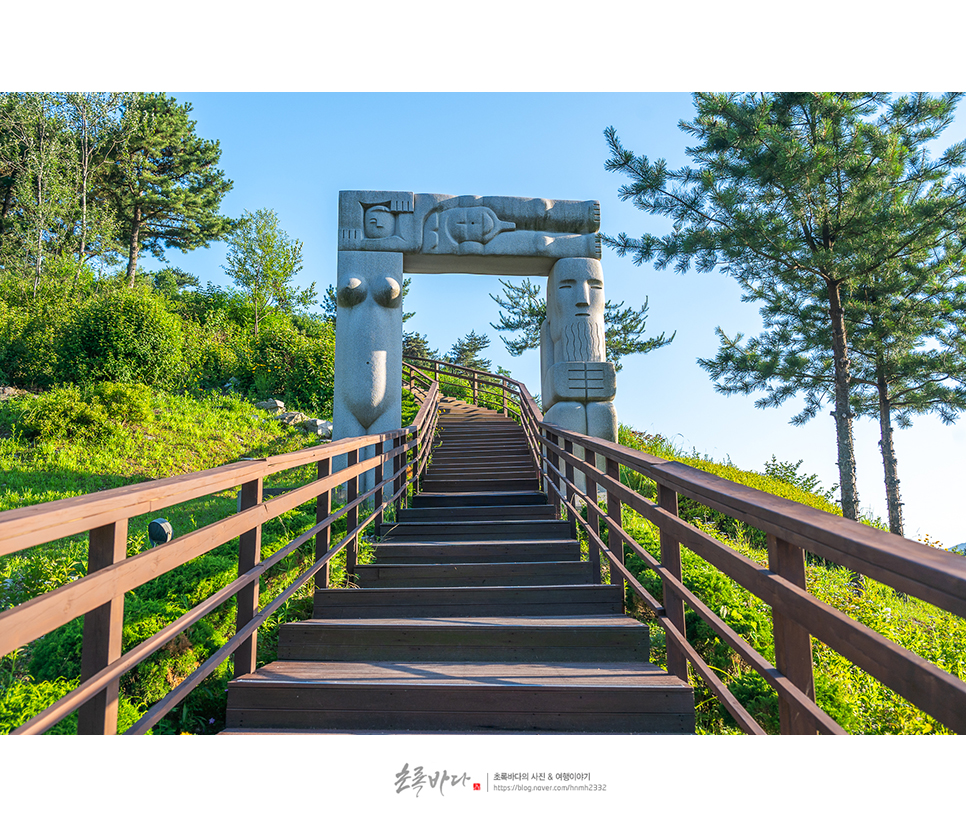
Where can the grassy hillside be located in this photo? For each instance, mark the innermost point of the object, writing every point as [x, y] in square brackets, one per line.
[157, 436]
[70, 441]
[858, 702]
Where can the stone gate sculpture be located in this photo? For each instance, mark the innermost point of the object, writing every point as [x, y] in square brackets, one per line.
[384, 234]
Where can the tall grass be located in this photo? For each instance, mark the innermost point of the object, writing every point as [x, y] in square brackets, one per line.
[856, 700]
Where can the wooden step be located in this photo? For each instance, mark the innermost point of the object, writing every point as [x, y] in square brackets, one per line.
[531, 511]
[508, 639]
[476, 530]
[466, 574]
[496, 498]
[480, 448]
[523, 601]
[419, 552]
[480, 484]
[464, 463]
[595, 697]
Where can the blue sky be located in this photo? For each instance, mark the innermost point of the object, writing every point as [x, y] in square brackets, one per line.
[294, 152]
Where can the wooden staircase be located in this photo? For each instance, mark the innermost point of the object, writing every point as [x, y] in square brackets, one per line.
[477, 615]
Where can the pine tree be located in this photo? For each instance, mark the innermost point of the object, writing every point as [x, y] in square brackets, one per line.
[165, 184]
[466, 351]
[907, 359]
[417, 345]
[801, 196]
[525, 307]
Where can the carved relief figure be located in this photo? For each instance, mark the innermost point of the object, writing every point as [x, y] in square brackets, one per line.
[493, 226]
[440, 224]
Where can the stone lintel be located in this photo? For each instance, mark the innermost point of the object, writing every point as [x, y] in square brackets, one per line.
[440, 233]
[417, 263]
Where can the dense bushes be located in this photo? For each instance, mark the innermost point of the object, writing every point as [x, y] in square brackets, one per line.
[294, 367]
[194, 341]
[90, 414]
[124, 337]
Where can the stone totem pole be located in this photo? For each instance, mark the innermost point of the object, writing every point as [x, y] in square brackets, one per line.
[577, 385]
[383, 234]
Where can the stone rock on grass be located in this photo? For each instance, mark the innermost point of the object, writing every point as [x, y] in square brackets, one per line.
[291, 418]
[323, 428]
[271, 406]
[7, 392]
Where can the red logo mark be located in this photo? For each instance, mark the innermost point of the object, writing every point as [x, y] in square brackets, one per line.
[476, 786]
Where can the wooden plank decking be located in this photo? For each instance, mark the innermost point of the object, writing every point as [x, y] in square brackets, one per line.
[477, 616]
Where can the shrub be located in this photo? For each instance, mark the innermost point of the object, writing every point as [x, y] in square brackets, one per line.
[69, 412]
[64, 413]
[298, 369]
[24, 698]
[125, 403]
[410, 408]
[29, 344]
[126, 336]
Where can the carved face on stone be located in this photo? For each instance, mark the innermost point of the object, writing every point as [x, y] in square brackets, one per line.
[476, 224]
[379, 222]
[575, 309]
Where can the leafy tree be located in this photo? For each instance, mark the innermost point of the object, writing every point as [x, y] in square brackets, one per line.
[262, 260]
[94, 120]
[165, 184]
[466, 351]
[38, 166]
[525, 307]
[801, 196]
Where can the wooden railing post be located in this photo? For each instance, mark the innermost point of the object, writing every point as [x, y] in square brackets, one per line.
[593, 519]
[399, 470]
[554, 461]
[793, 644]
[249, 553]
[323, 539]
[352, 519]
[615, 543]
[677, 662]
[103, 627]
[378, 474]
[476, 389]
[571, 492]
[503, 389]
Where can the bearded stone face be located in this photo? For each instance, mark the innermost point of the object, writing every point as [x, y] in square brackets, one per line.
[575, 310]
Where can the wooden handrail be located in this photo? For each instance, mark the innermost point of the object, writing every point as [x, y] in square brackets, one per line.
[112, 575]
[791, 528]
[926, 573]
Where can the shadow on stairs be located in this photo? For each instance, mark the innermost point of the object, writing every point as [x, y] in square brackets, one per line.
[476, 616]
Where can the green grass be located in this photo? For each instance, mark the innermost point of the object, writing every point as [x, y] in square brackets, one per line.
[856, 700]
[181, 434]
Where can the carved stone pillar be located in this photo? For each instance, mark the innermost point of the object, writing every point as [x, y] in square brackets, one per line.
[577, 385]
